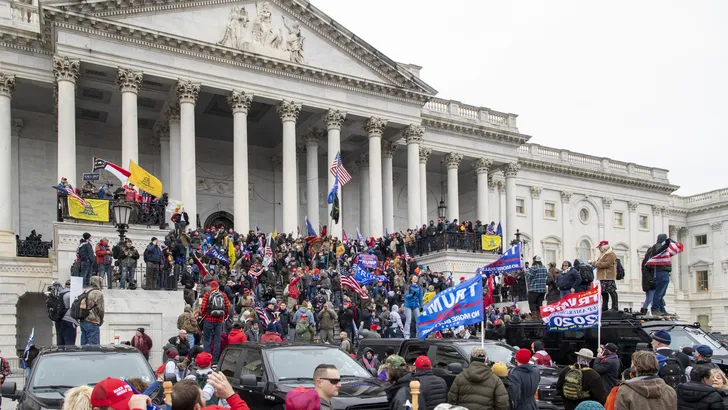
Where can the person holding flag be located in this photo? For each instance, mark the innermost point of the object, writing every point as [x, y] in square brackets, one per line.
[413, 304]
[657, 265]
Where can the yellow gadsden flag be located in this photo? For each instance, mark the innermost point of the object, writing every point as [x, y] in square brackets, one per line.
[95, 209]
[491, 242]
[144, 180]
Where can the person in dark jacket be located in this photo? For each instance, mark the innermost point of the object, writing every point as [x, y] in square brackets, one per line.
[552, 294]
[153, 258]
[180, 343]
[142, 342]
[254, 333]
[477, 387]
[398, 393]
[524, 380]
[698, 394]
[607, 365]
[568, 280]
[432, 387]
[86, 257]
[590, 381]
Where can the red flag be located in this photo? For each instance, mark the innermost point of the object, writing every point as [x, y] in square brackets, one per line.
[488, 299]
[352, 284]
[201, 267]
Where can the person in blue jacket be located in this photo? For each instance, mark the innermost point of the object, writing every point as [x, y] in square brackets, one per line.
[412, 304]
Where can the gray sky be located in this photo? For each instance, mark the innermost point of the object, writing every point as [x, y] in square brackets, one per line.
[640, 81]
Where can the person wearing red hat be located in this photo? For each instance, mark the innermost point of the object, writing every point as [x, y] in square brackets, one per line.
[215, 307]
[432, 387]
[113, 394]
[525, 379]
[607, 274]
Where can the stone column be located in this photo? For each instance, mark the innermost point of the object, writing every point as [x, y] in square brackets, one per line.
[240, 102]
[452, 161]
[289, 110]
[482, 166]
[17, 126]
[502, 205]
[634, 257]
[684, 258]
[536, 204]
[388, 150]
[375, 128]
[424, 156]
[674, 232]
[187, 92]
[7, 237]
[510, 171]
[129, 82]
[665, 219]
[364, 216]
[334, 119]
[175, 165]
[66, 71]
[717, 246]
[311, 139]
[163, 135]
[413, 135]
[566, 231]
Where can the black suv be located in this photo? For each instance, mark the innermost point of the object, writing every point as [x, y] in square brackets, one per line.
[262, 374]
[57, 369]
[624, 329]
[450, 356]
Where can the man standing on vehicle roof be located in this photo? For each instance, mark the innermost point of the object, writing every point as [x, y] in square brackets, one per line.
[662, 276]
[328, 382]
[536, 278]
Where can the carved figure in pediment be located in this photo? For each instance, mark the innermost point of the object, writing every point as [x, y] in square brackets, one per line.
[263, 31]
[294, 44]
[235, 30]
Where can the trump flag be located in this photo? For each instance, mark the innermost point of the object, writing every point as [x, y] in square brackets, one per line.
[461, 305]
[573, 312]
[510, 261]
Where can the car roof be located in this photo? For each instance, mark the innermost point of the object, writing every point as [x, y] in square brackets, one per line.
[88, 348]
[279, 345]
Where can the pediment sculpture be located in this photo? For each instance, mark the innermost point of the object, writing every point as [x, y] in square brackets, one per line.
[263, 37]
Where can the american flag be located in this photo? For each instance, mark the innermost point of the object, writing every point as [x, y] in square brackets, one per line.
[267, 254]
[71, 193]
[665, 257]
[262, 316]
[338, 168]
[255, 270]
[352, 284]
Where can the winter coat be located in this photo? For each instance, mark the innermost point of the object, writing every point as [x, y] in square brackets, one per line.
[698, 396]
[399, 393]
[130, 260]
[186, 321]
[552, 294]
[236, 336]
[606, 265]
[477, 387]
[413, 297]
[327, 318]
[346, 318]
[590, 382]
[645, 393]
[373, 363]
[304, 332]
[95, 302]
[183, 346]
[154, 254]
[608, 369]
[570, 279]
[102, 257]
[271, 337]
[86, 252]
[433, 388]
[525, 379]
[253, 336]
[143, 343]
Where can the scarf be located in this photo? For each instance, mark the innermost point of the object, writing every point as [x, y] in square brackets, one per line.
[368, 364]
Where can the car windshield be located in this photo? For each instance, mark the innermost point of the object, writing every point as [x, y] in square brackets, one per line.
[288, 364]
[496, 352]
[684, 336]
[59, 370]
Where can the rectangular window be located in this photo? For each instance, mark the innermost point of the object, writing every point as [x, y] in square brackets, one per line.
[704, 321]
[549, 256]
[701, 240]
[702, 280]
[549, 210]
[230, 362]
[644, 222]
[520, 206]
[619, 219]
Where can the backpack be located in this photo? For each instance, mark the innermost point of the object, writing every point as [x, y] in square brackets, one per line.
[201, 380]
[587, 274]
[146, 255]
[76, 268]
[216, 304]
[79, 307]
[672, 371]
[116, 252]
[54, 304]
[620, 270]
[573, 389]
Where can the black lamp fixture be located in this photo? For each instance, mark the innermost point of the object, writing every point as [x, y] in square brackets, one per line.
[122, 212]
[441, 207]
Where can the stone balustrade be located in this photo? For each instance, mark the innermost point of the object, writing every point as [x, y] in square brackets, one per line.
[700, 200]
[481, 115]
[21, 14]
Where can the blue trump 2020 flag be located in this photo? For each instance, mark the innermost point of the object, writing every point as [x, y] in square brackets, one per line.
[309, 229]
[215, 253]
[510, 261]
[362, 275]
[461, 305]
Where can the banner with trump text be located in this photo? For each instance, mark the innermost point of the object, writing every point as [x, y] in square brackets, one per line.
[573, 312]
[461, 305]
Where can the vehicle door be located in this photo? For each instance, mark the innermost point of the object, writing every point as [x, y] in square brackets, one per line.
[441, 356]
[250, 361]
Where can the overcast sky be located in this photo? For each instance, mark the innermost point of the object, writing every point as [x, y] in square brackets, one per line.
[640, 81]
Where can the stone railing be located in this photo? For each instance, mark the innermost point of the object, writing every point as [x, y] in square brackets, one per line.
[33, 249]
[142, 213]
[566, 157]
[457, 110]
[23, 15]
[699, 200]
[447, 241]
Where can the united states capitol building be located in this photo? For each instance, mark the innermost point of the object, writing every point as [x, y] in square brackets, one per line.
[240, 107]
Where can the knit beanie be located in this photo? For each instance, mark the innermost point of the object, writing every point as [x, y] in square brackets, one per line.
[523, 356]
[589, 405]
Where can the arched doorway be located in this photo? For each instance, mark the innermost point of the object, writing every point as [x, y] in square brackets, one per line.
[220, 218]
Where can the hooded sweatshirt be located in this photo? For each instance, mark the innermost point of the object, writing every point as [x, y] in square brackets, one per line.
[95, 302]
[645, 393]
[478, 388]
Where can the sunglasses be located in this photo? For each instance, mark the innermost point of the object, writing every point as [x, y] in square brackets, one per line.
[332, 381]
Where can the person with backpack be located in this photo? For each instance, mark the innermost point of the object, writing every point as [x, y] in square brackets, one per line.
[607, 274]
[153, 258]
[578, 383]
[215, 307]
[672, 363]
[88, 309]
[587, 275]
[524, 380]
[58, 306]
[86, 258]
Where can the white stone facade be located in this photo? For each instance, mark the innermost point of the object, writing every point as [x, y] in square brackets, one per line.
[241, 106]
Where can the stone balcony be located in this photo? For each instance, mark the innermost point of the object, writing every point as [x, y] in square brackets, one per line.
[705, 200]
[20, 16]
[482, 116]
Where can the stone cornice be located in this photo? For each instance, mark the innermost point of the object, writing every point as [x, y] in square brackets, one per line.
[710, 207]
[404, 89]
[437, 123]
[590, 174]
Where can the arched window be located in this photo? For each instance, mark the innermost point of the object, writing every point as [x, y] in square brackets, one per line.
[585, 250]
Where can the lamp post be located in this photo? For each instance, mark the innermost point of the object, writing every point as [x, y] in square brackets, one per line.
[122, 212]
[441, 208]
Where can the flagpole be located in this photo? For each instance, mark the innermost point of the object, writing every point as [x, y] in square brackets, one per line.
[599, 323]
